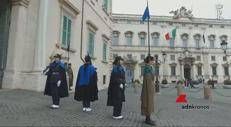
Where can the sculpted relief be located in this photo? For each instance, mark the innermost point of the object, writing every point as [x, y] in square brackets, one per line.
[182, 13]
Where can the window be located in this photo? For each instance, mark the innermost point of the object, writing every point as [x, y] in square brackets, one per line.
[142, 41]
[213, 58]
[197, 38]
[66, 31]
[155, 38]
[105, 5]
[142, 56]
[214, 70]
[128, 36]
[212, 44]
[197, 44]
[104, 79]
[198, 58]
[142, 36]
[212, 40]
[173, 70]
[184, 38]
[224, 58]
[199, 70]
[104, 51]
[226, 70]
[115, 38]
[172, 57]
[91, 41]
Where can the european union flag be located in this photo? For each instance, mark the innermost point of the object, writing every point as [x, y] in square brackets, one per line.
[146, 14]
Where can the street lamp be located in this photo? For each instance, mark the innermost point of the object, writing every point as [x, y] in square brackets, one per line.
[156, 74]
[164, 59]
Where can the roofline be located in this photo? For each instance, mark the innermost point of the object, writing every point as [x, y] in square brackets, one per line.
[170, 19]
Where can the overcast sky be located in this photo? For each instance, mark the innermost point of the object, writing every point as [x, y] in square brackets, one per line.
[201, 8]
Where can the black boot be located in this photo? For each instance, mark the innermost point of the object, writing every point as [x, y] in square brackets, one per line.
[149, 121]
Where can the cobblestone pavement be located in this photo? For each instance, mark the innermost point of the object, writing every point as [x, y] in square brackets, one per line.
[27, 108]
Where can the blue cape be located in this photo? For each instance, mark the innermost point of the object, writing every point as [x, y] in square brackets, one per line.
[85, 74]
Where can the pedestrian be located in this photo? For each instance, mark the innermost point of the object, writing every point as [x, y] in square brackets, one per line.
[148, 90]
[56, 83]
[70, 75]
[116, 95]
[86, 85]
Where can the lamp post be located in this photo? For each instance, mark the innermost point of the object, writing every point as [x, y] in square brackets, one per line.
[180, 61]
[157, 75]
[164, 59]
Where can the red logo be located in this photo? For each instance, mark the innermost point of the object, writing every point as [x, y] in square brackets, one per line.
[181, 98]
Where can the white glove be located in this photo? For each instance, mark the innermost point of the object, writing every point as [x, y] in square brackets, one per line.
[58, 83]
[121, 86]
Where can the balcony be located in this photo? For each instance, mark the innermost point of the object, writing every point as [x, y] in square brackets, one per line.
[139, 48]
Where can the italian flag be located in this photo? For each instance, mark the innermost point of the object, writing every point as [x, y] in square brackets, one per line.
[171, 35]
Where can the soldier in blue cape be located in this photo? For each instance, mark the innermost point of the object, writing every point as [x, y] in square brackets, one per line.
[86, 85]
[116, 88]
[56, 84]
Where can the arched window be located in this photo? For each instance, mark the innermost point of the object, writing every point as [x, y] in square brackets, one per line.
[142, 36]
[197, 38]
[155, 38]
[115, 37]
[128, 36]
[184, 38]
[212, 39]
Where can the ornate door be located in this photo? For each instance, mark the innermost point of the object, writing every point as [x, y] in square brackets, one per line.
[4, 32]
[187, 71]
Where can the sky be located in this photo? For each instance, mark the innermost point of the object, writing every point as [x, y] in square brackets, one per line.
[200, 8]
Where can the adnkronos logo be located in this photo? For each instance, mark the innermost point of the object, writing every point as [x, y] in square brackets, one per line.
[182, 99]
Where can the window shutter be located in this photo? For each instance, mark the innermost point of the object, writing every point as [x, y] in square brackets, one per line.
[64, 37]
[69, 32]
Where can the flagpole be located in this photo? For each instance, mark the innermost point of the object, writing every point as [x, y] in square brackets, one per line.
[148, 34]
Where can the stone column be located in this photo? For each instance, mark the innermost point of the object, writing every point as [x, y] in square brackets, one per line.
[17, 38]
[40, 52]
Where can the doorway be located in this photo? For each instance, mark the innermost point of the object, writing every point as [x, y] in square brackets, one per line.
[187, 72]
[5, 11]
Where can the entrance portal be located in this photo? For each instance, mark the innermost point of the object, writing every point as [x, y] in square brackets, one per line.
[4, 32]
[187, 72]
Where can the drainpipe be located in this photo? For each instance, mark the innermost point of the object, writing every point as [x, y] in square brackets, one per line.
[81, 38]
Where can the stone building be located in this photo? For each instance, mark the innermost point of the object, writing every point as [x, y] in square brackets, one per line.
[195, 54]
[29, 30]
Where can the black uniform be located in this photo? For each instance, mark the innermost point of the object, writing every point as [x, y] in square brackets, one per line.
[56, 73]
[116, 94]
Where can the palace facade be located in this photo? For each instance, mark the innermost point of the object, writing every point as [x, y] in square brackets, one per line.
[195, 54]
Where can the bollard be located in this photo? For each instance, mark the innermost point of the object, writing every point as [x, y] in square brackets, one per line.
[207, 92]
[179, 89]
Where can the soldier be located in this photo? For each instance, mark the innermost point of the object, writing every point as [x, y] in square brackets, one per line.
[86, 85]
[56, 84]
[116, 89]
[148, 91]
